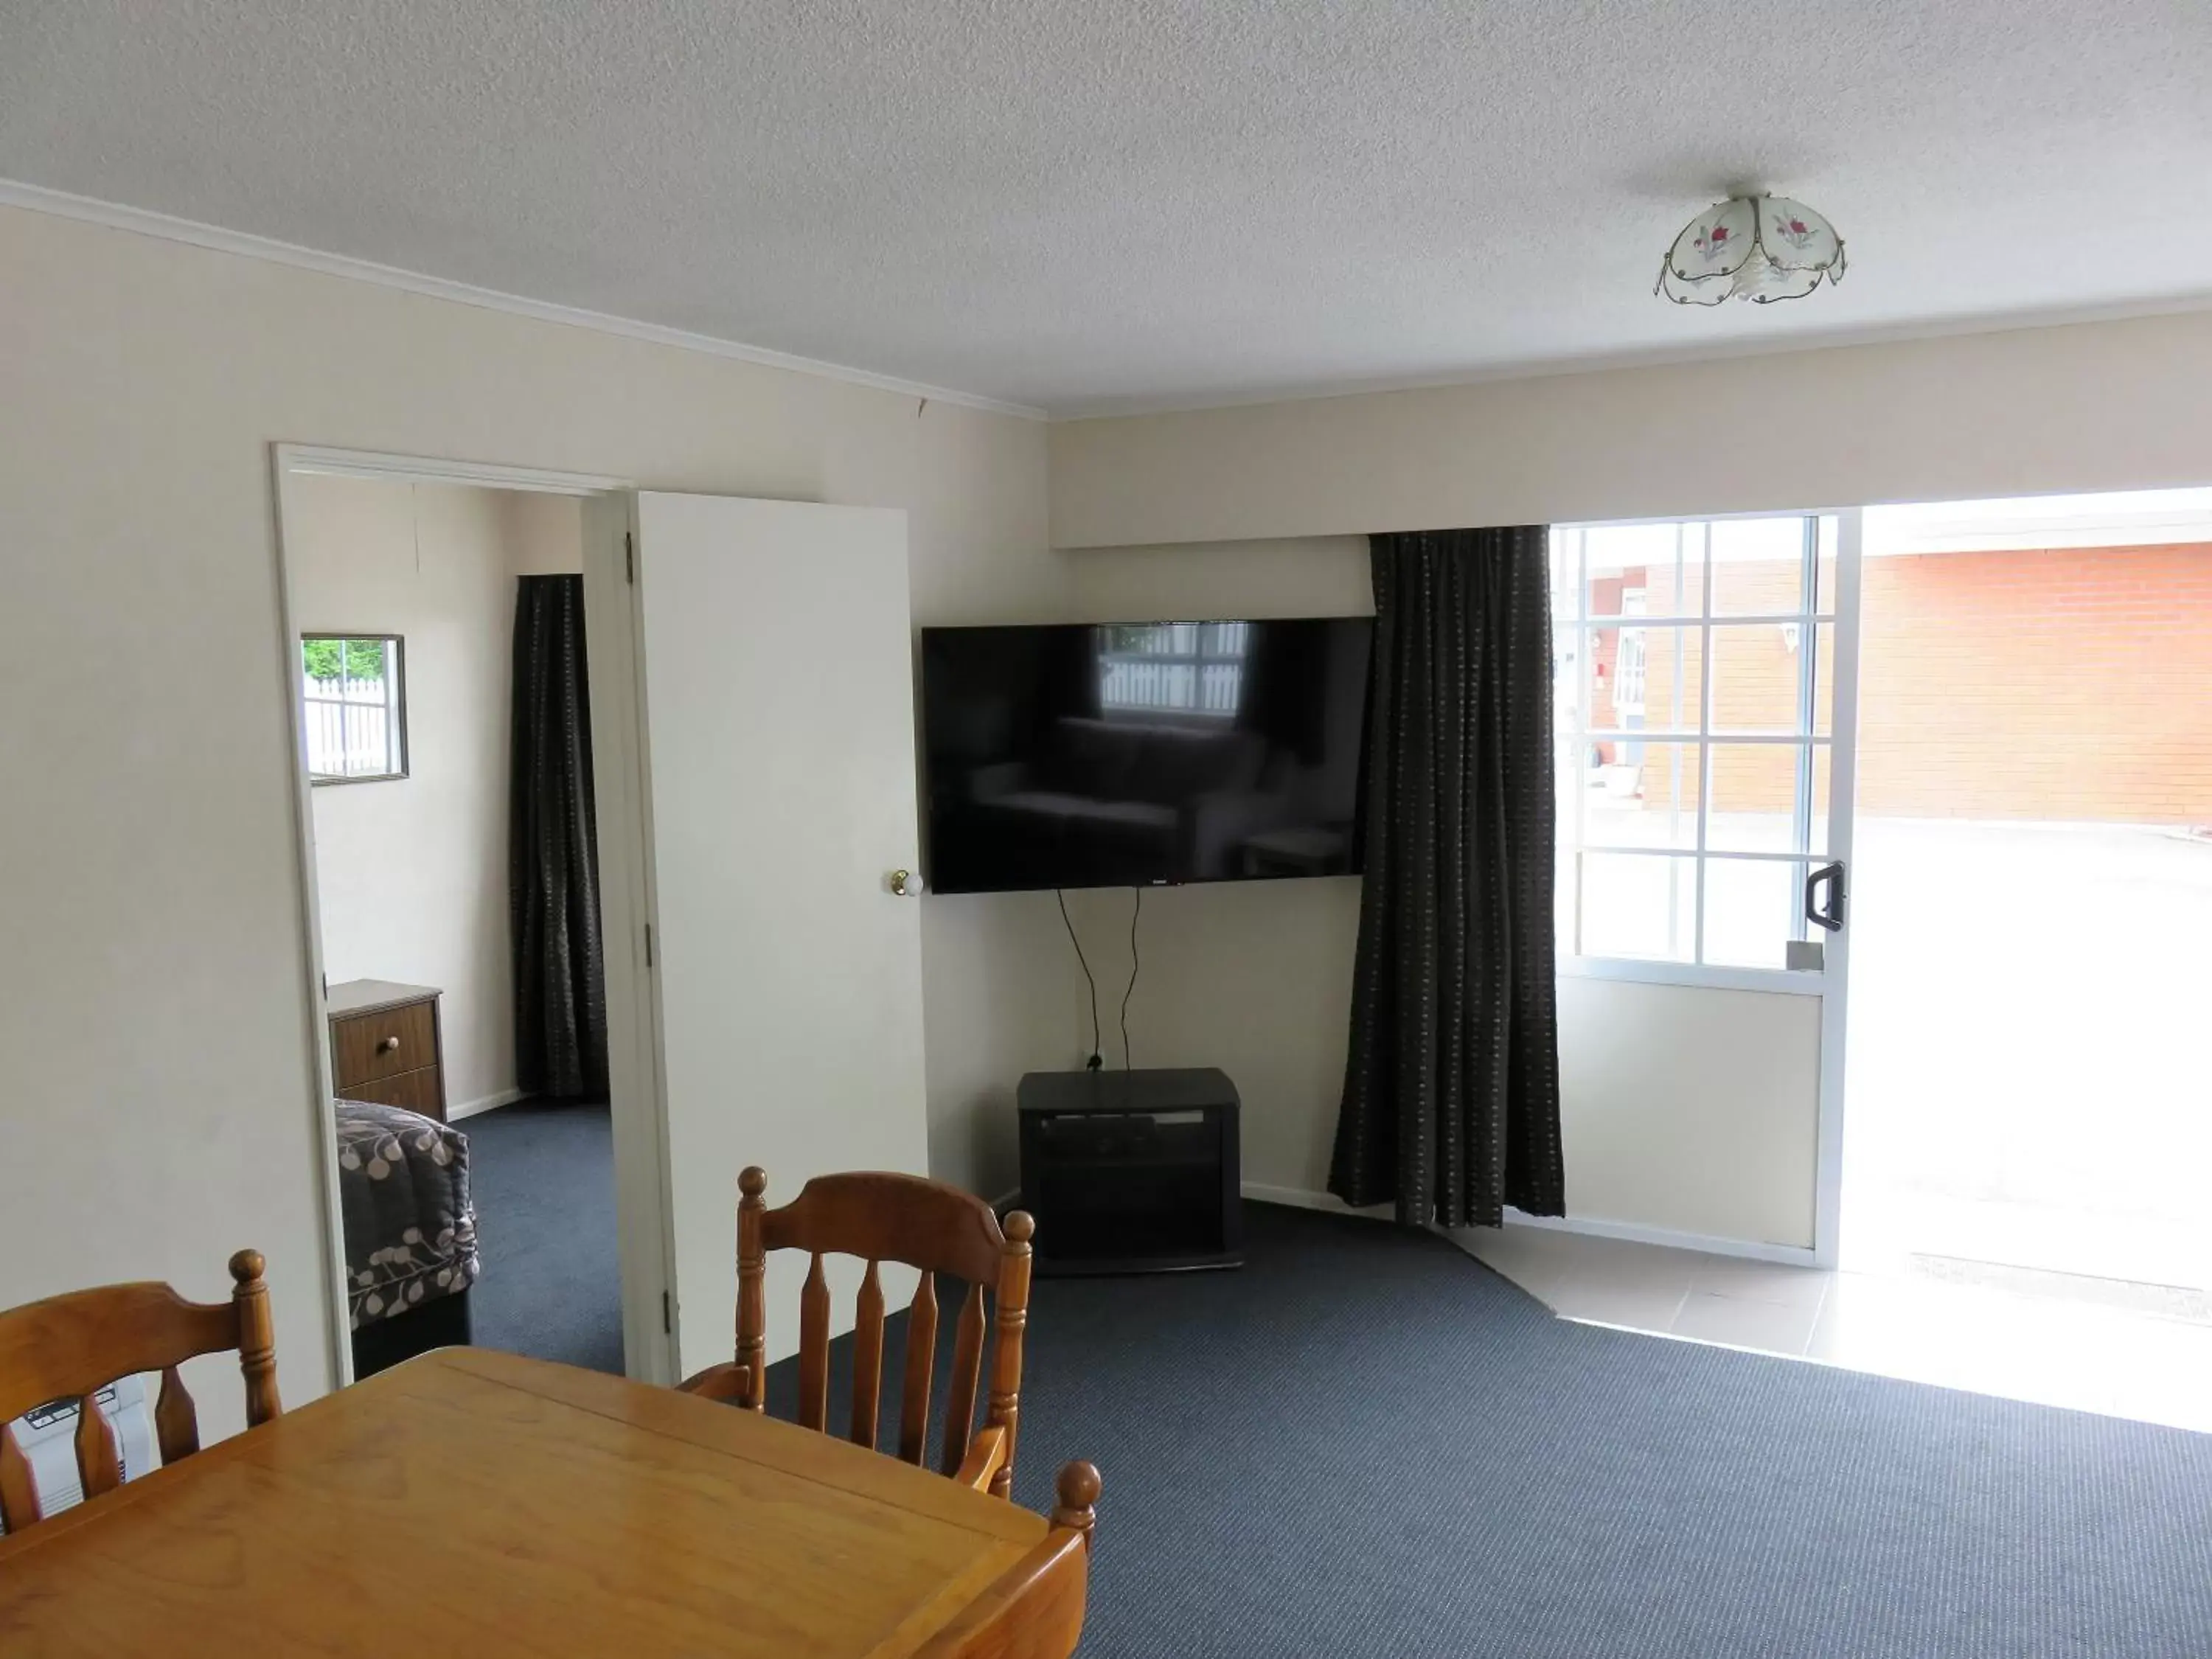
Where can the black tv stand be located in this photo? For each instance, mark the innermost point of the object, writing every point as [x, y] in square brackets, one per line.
[1131, 1171]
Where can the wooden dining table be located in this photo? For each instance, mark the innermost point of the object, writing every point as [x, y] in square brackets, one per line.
[478, 1503]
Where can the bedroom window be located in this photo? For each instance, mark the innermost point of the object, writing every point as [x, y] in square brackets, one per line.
[1173, 668]
[354, 691]
[1693, 684]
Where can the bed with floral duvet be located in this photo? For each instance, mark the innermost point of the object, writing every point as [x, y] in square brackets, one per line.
[410, 1232]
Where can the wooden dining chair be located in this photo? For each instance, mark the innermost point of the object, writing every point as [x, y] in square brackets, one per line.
[74, 1344]
[925, 1224]
[1033, 1610]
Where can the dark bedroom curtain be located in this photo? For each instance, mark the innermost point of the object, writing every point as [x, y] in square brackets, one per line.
[553, 859]
[1451, 1090]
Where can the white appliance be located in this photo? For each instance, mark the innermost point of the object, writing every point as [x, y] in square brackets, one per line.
[47, 1435]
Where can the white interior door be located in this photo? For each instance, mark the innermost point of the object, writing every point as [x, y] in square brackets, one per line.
[779, 718]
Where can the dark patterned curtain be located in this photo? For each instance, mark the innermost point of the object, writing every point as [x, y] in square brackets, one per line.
[1451, 1090]
[553, 858]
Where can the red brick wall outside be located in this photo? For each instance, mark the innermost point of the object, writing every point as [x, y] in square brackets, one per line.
[2071, 685]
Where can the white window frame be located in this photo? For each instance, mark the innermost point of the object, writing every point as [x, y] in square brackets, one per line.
[392, 704]
[1838, 741]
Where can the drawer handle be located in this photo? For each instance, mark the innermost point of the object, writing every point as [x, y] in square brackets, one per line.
[389, 1045]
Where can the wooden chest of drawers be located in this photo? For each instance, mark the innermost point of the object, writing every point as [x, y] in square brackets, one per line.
[384, 1045]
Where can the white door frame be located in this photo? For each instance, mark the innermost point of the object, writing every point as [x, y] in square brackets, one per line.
[1843, 815]
[644, 1239]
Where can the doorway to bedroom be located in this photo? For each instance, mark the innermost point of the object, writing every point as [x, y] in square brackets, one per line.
[444, 684]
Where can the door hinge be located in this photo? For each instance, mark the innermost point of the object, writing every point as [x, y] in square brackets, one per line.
[630, 558]
[648, 945]
[667, 1316]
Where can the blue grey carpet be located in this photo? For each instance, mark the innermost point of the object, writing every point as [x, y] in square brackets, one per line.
[1365, 1443]
[542, 1174]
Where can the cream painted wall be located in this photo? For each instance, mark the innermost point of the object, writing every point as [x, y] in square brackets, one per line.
[161, 1106]
[2115, 405]
[544, 533]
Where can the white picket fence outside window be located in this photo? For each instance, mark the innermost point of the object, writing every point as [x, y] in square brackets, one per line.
[353, 727]
[1186, 668]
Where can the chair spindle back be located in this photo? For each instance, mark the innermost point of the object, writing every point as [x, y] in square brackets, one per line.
[72, 1346]
[925, 1225]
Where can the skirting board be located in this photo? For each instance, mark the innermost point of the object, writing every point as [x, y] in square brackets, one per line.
[1299, 1199]
[1633, 1232]
[488, 1102]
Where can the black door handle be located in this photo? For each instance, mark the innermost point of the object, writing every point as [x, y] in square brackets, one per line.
[1829, 916]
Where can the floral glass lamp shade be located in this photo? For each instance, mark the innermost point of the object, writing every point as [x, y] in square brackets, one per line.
[1760, 248]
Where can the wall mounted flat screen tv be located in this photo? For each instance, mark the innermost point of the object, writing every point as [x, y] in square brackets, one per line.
[1140, 754]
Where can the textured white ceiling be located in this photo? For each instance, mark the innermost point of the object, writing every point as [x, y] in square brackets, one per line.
[1085, 204]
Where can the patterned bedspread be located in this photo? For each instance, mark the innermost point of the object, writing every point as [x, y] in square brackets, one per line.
[410, 1232]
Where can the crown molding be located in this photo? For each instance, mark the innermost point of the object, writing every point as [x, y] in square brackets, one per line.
[36, 198]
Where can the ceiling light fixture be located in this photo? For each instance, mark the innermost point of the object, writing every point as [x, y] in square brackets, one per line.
[1760, 248]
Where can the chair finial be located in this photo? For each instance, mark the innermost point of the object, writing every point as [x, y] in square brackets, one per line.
[752, 1180]
[247, 1265]
[1020, 1227]
[1077, 1489]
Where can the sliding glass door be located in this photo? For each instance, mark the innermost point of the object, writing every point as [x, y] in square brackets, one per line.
[1703, 685]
